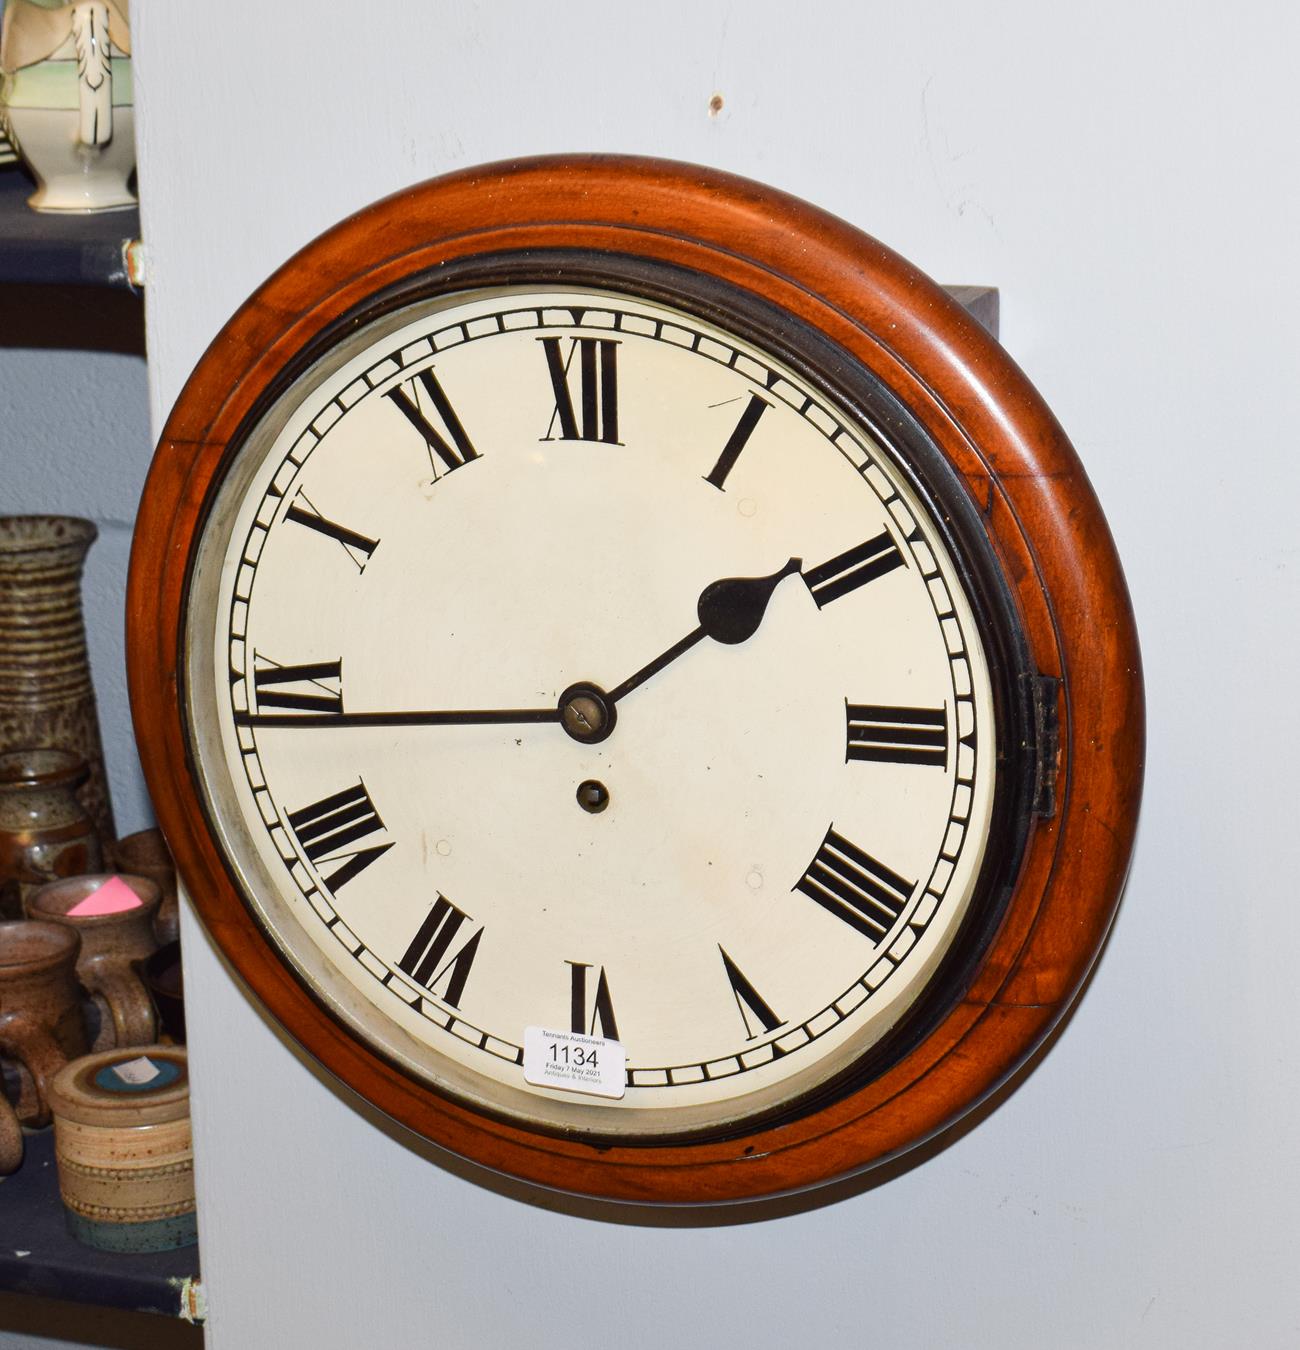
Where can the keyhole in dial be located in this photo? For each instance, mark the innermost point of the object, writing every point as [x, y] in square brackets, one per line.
[593, 796]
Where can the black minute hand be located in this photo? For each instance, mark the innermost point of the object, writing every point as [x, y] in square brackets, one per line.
[441, 717]
[729, 611]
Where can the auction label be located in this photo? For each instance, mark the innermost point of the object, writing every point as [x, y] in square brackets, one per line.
[574, 1063]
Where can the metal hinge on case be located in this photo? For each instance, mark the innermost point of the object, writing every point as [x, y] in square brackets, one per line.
[1044, 691]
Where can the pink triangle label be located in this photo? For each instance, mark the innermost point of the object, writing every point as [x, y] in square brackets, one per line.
[112, 897]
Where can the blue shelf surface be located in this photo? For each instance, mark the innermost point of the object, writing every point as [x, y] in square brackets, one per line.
[50, 247]
[39, 1256]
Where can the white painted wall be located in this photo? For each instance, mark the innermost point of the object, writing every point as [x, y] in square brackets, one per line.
[1125, 173]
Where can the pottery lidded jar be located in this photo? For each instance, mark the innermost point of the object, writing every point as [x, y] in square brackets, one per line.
[122, 1141]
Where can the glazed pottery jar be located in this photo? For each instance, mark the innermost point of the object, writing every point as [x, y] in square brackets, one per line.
[122, 1141]
[41, 1024]
[111, 945]
[46, 698]
[45, 832]
[66, 94]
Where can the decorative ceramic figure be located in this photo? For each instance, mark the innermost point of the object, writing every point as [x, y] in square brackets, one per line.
[46, 698]
[45, 832]
[66, 96]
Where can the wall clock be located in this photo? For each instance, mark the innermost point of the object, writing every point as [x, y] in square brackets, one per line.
[602, 609]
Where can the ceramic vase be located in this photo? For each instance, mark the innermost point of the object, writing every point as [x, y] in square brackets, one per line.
[165, 980]
[11, 1138]
[46, 698]
[145, 854]
[41, 1023]
[113, 946]
[66, 96]
[45, 832]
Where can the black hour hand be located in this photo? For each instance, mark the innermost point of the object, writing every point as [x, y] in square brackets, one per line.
[731, 610]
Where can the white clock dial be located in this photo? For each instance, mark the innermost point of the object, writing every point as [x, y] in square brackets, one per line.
[489, 749]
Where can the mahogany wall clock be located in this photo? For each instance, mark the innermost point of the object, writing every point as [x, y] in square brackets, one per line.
[636, 680]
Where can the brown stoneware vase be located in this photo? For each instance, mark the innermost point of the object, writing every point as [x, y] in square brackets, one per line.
[145, 854]
[46, 698]
[41, 1025]
[111, 945]
[45, 832]
[123, 1145]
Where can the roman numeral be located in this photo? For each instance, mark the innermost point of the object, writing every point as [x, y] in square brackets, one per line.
[855, 568]
[319, 686]
[854, 887]
[897, 735]
[602, 1007]
[406, 398]
[327, 828]
[747, 997]
[737, 441]
[597, 389]
[357, 546]
[423, 960]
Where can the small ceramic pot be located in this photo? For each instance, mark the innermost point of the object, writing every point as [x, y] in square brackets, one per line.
[66, 95]
[11, 1138]
[41, 1025]
[111, 944]
[164, 979]
[123, 1146]
[145, 854]
[45, 832]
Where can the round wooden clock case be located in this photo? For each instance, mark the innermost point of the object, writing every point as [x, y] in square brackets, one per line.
[612, 596]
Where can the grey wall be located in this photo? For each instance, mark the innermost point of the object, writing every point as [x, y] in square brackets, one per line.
[75, 440]
[1126, 175]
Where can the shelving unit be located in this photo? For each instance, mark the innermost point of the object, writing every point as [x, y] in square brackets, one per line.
[38, 1256]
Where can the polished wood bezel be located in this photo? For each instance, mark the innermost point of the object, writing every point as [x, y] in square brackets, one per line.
[1042, 521]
